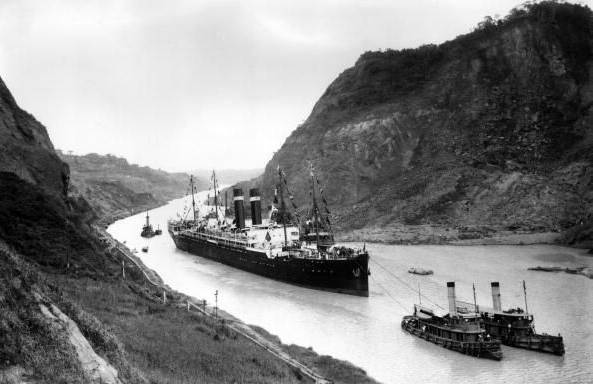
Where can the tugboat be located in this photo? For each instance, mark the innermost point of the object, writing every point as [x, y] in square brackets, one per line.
[276, 249]
[458, 331]
[514, 327]
[147, 230]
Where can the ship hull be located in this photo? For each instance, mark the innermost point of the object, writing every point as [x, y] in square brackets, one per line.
[510, 336]
[487, 350]
[347, 276]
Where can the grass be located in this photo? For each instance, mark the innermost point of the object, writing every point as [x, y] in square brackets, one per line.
[168, 344]
[340, 371]
[124, 321]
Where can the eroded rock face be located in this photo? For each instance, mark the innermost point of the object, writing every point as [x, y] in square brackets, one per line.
[96, 369]
[492, 129]
[26, 150]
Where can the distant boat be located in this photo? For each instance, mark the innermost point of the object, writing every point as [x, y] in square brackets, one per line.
[420, 271]
[158, 231]
[147, 230]
[145, 249]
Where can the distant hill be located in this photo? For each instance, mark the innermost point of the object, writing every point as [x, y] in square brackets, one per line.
[228, 176]
[115, 188]
[75, 309]
[491, 132]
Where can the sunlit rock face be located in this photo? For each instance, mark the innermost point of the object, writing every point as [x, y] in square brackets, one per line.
[492, 129]
[26, 150]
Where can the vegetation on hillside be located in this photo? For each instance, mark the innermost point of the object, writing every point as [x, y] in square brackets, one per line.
[490, 131]
[116, 188]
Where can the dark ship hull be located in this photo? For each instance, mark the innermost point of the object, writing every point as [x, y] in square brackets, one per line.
[484, 349]
[348, 276]
[512, 337]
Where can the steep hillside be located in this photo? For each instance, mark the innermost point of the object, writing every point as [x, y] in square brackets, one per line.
[486, 133]
[115, 188]
[25, 148]
[76, 308]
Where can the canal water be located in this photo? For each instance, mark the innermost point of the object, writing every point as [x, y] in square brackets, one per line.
[366, 331]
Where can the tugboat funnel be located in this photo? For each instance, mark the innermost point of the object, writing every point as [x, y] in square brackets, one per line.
[255, 201]
[496, 296]
[451, 296]
[239, 212]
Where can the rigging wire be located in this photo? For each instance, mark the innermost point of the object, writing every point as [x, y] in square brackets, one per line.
[389, 294]
[406, 284]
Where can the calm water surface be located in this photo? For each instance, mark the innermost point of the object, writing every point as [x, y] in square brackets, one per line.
[366, 331]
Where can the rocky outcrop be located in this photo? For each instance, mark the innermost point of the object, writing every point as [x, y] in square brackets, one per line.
[95, 368]
[26, 150]
[487, 132]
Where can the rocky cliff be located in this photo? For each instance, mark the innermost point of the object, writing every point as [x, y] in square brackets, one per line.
[26, 150]
[489, 132]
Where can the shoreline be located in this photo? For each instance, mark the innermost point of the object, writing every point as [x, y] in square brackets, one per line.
[437, 235]
[292, 354]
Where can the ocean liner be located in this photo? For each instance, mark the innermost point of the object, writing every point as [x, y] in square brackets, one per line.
[289, 248]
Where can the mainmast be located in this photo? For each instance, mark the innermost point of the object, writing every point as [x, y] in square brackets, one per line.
[193, 200]
[215, 193]
[315, 208]
[475, 303]
[525, 297]
[282, 205]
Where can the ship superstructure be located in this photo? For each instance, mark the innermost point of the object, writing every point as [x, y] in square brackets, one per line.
[514, 327]
[274, 249]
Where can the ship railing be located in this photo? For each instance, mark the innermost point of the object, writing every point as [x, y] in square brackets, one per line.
[221, 239]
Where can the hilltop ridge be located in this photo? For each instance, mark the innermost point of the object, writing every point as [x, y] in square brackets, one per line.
[115, 188]
[490, 132]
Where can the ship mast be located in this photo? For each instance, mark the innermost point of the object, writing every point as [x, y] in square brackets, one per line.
[215, 193]
[475, 303]
[282, 205]
[193, 201]
[525, 297]
[315, 209]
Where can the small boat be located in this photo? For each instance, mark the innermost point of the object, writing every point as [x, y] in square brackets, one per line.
[145, 249]
[147, 230]
[158, 231]
[514, 327]
[420, 271]
[458, 331]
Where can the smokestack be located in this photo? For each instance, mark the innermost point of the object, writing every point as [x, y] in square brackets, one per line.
[451, 295]
[496, 296]
[239, 212]
[255, 201]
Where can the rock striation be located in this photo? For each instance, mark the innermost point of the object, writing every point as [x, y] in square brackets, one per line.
[489, 132]
[26, 150]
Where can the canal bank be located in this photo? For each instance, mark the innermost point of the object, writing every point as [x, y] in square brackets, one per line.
[366, 331]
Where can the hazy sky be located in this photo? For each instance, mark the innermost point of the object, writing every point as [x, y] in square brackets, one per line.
[181, 85]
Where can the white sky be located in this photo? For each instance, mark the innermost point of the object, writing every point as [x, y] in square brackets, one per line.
[181, 85]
